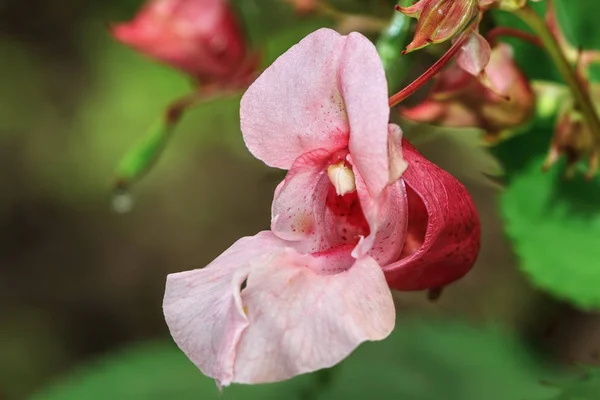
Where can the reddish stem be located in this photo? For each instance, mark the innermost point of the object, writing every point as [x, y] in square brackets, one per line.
[493, 35]
[431, 72]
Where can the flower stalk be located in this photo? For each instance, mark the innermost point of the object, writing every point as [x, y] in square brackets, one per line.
[431, 72]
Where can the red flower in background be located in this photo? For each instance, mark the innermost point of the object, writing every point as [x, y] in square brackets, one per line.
[199, 37]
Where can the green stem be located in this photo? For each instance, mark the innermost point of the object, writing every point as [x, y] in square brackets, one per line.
[580, 93]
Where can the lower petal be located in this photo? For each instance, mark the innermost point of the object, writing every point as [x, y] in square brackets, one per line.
[204, 310]
[301, 321]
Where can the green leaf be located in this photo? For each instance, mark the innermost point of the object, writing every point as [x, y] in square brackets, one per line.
[440, 359]
[579, 22]
[421, 360]
[158, 371]
[555, 224]
[586, 387]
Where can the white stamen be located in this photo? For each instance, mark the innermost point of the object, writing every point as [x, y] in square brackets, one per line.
[342, 178]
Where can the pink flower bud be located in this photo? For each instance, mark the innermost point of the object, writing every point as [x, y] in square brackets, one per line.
[304, 6]
[458, 99]
[439, 20]
[200, 37]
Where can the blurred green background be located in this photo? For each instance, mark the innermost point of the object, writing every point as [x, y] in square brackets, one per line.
[81, 286]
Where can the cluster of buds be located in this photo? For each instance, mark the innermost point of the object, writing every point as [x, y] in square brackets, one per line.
[485, 89]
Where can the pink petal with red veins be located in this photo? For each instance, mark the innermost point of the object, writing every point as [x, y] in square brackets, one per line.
[204, 310]
[387, 216]
[474, 55]
[327, 92]
[298, 207]
[301, 321]
[443, 228]
[368, 111]
[298, 313]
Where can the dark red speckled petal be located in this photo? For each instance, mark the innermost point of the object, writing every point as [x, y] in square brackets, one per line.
[443, 228]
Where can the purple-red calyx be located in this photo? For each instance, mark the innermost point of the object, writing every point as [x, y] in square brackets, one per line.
[359, 212]
[199, 37]
[439, 20]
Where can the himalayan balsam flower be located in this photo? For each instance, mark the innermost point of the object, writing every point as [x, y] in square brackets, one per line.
[200, 37]
[359, 211]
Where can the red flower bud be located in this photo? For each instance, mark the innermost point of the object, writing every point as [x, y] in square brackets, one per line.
[439, 20]
[199, 37]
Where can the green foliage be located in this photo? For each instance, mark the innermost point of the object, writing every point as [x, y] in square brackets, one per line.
[390, 44]
[579, 22]
[421, 361]
[440, 360]
[553, 222]
[586, 387]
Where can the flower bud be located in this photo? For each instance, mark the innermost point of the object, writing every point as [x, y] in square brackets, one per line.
[573, 138]
[199, 37]
[458, 99]
[439, 20]
[304, 6]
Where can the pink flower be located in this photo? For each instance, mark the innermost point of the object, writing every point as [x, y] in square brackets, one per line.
[348, 222]
[199, 37]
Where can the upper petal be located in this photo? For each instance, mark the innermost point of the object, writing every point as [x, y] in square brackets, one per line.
[318, 94]
[444, 232]
[301, 321]
[364, 90]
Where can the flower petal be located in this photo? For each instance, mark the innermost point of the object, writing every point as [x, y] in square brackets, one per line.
[299, 204]
[387, 216]
[368, 110]
[328, 91]
[474, 55]
[295, 106]
[386, 213]
[442, 210]
[298, 313]
[204, 310]
[301, 321]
